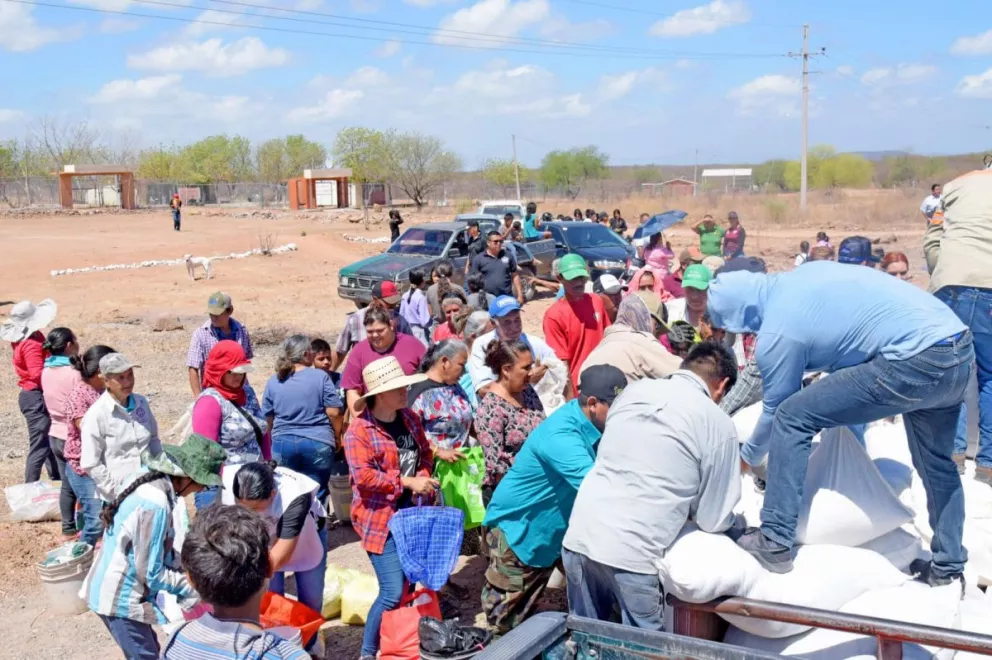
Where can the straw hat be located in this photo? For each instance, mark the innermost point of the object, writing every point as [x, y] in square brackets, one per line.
[386, 374]
[26, 318]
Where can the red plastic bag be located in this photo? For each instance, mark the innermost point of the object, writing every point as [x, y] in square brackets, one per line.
[399, 632]
[281, 611]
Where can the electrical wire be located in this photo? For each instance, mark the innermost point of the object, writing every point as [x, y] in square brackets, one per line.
[647, 55]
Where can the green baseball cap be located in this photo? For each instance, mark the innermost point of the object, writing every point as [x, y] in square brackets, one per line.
[572, 266]
[697, 276]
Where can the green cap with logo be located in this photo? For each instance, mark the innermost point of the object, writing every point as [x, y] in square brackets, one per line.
[697, 276]
[218, 303]
[572, 266]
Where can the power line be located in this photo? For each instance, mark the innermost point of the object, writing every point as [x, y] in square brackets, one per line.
[635, 55]
[649, 12]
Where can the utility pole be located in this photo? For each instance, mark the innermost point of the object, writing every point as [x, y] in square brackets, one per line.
[695, 168]
[805, 55]
[516, 165]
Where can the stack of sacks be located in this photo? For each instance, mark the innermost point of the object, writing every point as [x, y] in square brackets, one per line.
[976, 616]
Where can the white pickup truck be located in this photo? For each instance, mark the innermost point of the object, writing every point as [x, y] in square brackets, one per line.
[500, 207]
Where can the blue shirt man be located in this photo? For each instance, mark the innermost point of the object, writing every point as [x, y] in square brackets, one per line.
[532, 504]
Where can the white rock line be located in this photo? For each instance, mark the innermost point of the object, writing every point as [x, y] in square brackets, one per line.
[365, 239]
[289, 247]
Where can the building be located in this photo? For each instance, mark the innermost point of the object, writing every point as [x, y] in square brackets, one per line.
[679, 187]
[727, 179]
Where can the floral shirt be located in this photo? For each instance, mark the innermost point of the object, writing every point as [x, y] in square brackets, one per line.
[445, 411]
[77, 403]
[502, 429]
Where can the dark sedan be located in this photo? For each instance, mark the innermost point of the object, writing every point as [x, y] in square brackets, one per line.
[604, 251]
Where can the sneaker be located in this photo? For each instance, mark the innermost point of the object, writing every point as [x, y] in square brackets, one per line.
[771, 555]
[922, 571]
[959, 461]
[983, 475]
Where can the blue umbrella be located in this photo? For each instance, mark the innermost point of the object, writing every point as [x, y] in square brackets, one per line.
[660, 223]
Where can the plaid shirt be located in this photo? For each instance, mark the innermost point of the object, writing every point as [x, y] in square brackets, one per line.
[747, 390]
[374, 462]
[206, 337]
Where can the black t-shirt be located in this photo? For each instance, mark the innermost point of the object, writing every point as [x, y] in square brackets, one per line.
[497, 272]
[409, 452]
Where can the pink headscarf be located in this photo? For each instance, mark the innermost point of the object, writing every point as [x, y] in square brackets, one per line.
[659, 284]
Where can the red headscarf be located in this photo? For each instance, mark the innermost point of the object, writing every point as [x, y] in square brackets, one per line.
[224, 357]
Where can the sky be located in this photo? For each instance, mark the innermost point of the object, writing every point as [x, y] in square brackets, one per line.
[647, 81]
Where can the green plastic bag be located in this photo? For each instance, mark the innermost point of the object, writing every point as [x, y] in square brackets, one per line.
[461, 484]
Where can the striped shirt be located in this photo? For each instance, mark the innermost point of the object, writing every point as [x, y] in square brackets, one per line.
[137, 560]
[208, 638]
[206, 337]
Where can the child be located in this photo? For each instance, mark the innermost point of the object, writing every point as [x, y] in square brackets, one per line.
[137, 560]
[803, 255]
[322, 360]
[226, 557]
[822, 240]
[415, 310]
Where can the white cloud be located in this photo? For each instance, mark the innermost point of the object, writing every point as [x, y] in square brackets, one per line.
[20, 31]
[903, 74]
[619, 85]
[978, 86]
[336, 103]
[560, 28]
[212, 57]
[365, 77]
[980, 44]
[118, 25]
[8, 115]
[212, 20]
[685, 64]
[142, 89]
[388, 49]
[500, 18]
[705, 19]
[845, 70]
[498, 81]
[117, 5]
[775, 93]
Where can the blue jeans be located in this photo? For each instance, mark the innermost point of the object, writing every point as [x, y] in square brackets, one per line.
[309, 584]
[137, 640]
[205, 497]
[974, 308]
[927, 390]
[310, 457]
[389, 573]
[594, 590]
[85, 490]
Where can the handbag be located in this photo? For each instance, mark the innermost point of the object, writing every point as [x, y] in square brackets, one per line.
[461, 484]
[400, 628]
[251, 420]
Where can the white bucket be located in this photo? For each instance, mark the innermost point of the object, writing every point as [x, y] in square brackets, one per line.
[63, 582]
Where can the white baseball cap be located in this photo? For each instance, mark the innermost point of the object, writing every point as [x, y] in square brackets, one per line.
[610, 284]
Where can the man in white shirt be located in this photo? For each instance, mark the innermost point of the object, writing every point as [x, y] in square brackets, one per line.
[505, 313]
[668, 455]
[932, 204]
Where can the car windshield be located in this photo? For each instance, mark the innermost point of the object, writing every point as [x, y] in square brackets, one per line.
[430, 242]
[591, 235]
[501, 210]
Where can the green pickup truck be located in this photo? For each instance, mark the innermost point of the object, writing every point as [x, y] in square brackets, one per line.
[424, 246]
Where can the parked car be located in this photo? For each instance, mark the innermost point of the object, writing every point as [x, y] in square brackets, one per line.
[604, 251]
[423, 246]
[500, 207]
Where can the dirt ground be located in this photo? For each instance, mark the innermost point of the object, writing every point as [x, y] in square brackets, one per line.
[149, 314]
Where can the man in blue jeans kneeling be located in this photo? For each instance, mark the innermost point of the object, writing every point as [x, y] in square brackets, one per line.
[890, 348]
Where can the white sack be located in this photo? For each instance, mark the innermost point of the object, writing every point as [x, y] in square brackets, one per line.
[911, 602]
[746, 419]
[551, 388]
[845, 499]
[976, 616]
[900, 547]
[699, 567]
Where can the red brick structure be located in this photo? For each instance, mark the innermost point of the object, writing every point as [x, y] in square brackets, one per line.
[303, 190]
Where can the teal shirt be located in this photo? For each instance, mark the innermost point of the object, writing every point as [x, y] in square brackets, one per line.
[530, 231]
[533, 502]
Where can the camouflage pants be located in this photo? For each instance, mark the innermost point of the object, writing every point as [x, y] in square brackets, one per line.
[512, 588]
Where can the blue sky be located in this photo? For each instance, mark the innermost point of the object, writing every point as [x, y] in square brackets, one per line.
[646, 81]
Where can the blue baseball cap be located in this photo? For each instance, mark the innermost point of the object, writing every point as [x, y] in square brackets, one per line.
[856, 250]
[502, 306]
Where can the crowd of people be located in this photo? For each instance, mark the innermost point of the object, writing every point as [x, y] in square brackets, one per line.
[639, 441]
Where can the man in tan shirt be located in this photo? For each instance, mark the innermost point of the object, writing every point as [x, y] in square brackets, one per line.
[959, 257]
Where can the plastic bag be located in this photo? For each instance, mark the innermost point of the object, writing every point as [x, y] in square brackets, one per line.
[448, 638]
[461, 484]
[37, 501]
[551, 388]
[279, 611]
[335, 580]
[357, 598]
[399, 631]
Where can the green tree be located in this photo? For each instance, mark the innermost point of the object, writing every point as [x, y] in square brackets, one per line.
[501, 174]
[160, 164]
[771, 174]
[644, 175]
[9, 159]
[280, 159]
[570, 170]
[845, 171]
[420, 165]
[217, 159]
[366, 152]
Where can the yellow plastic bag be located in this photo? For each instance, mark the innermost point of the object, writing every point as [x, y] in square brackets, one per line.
[357, 599]
[335, 579]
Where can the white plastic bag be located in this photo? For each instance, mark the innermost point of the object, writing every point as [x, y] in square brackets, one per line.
[699, 567]
[845, 499]
[551, 388]
[37, 501]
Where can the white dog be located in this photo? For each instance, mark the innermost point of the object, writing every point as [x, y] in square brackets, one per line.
[191, 264]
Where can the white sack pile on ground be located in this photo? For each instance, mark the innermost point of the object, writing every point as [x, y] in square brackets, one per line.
[863, 520]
